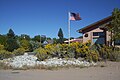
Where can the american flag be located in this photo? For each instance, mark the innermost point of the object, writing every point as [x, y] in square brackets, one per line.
[74, 16]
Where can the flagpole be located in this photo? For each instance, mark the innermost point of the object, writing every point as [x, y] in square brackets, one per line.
[69, 28]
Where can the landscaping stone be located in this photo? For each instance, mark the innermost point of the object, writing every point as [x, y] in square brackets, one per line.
[31, 61]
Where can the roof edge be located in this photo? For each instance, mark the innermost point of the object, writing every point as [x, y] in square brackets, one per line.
[97, 22]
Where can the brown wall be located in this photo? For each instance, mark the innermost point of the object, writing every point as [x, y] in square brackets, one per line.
[90, 34]
[108, 37]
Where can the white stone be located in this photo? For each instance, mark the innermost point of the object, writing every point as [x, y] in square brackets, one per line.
[25, 54]
[31, 60]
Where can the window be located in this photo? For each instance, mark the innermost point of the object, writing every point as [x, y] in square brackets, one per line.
[98, 34]
[86, 35]
[99, 40]
[117, 42]
[95, 33]
[101, 33]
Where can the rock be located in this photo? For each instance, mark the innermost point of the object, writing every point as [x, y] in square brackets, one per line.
[25, 54]
[31, 61]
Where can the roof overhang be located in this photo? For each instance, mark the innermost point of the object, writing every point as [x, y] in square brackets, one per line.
[98, 23]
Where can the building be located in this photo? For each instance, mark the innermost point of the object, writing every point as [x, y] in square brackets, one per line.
[97, 32]
[48, 42]
[74, 40]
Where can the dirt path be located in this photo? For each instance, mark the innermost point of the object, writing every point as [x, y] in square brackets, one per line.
[110, 72]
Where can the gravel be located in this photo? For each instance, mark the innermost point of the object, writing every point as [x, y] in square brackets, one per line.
[31, 61]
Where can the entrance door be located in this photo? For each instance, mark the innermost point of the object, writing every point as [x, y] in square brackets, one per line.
[98, 41]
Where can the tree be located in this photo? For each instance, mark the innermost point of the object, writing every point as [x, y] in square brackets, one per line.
[37, 38]
[71, 37]
[55, 41]
[3, 39]
[35, 44]
[10, 33]
[26, 45]
[60, 35]
[1, 47]
[115, 23]
[11, 42]
[25, 36]
[48, 38]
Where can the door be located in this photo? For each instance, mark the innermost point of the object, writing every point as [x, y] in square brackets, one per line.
[98, 40]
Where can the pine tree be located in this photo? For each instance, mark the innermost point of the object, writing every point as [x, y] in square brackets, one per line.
[60, 35]
[11, 42]
[10, 33]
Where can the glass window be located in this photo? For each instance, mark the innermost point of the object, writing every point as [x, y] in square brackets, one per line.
[101, 33]
[98, 34]
[99, 40]
[86, 35]
[95, 33]
[117, 42]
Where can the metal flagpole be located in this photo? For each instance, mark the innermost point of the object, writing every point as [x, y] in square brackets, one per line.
[69, 28]
[40, 41]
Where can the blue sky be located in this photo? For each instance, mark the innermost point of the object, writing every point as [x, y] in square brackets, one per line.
[45, 17]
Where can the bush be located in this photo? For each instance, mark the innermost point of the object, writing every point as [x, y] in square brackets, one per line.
[66, 51]
[81, 49]
[114, 56]
[67, 54]
[59, 50]
[19, 51]
[74, 50]
[1, 47]
[107, 52]
[5, 54]
[26, 45]
[11, 44]
[71, 52]
[35, 45]
[53, 50]
[92, 55]
[84, 50]
[50, 48]
[41, 54]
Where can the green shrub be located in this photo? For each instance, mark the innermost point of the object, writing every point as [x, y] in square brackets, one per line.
[74, 50]
[66, 51]
[34, 44]
[114, 55]
[103, 51]
[41, 54]
[56, 50]
[11, 44]
[107, 52]
[19, 51]
[26, 45]
[51, 49]
[71, 53]
[5, 54]
[1, 47]
[92, 55]
[81, 49]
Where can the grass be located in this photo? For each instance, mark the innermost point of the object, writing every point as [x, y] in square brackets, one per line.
[25, 67]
